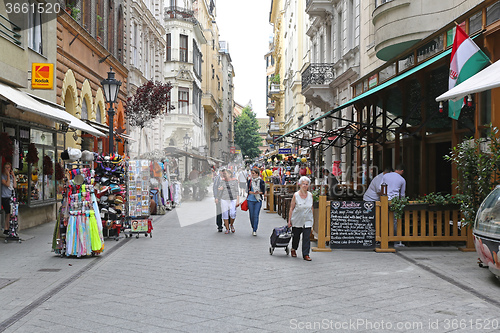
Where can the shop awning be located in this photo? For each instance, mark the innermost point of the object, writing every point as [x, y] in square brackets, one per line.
[309, 126]
[24, 102]
[176, 152]
[486, 79]
[72, 121]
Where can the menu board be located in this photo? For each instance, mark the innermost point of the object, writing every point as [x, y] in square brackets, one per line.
[138, 188]
[352, 225]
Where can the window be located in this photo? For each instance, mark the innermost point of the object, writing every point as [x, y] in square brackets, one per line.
[85, 113]
[98, 118]
[35, 31]
[169, 47]
[111, 27]
[100, 21]
[272, 60]
[183, 101]
[197, 58]
[183, 56]
[146, 59]
[135, 39]
[120, 35]
[86, 14]
[196, 100]
[169, 102]
[213, 72]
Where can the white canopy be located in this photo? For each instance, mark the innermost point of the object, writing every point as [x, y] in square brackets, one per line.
[486, 79]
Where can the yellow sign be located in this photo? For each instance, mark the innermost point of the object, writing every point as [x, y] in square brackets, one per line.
[42, 76]
[237, 151]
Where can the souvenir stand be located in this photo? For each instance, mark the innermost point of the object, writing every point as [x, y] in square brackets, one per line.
[110, 190]
[78, 230]
[156, 190]
[138, 221]
[167, 186]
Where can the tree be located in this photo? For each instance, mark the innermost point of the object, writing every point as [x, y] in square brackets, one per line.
[246, 133]
[149, 101]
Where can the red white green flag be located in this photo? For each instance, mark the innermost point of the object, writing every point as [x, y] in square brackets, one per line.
[467, 59]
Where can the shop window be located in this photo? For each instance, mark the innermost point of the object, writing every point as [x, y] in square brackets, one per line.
[485, 110]
[493, 13]
[430, 49]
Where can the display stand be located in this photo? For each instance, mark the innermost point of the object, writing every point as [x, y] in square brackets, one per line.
[138, 221]
[13, 224]
[111, 189]
[78, 229]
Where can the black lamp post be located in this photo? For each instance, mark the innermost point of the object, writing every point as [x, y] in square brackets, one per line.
[111, 87]
[186, 139]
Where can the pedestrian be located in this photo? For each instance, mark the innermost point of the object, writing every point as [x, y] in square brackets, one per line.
[242, 179]
[396, 188]
[373, 191]
[194, 177]
[229, 199]
[8, 186]
[256, 188]
[301, 218]
[217, 193]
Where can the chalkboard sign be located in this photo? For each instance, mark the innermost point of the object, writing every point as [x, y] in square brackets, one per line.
[352, 225]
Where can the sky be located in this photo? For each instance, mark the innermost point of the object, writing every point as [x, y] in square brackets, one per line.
[245, 26]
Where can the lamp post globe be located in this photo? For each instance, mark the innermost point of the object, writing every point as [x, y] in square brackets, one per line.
[111, 86]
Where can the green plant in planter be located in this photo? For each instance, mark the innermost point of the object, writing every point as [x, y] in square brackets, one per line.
[74, 11]
[276, 79]
[315, 194]
[398, 205]
[478, 166]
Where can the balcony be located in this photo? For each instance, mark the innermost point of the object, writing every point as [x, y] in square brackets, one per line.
[319, 7]
[276, 128]
[271, 108]
[180, 13]
[399, 24]
[316, 80]
[211, 106]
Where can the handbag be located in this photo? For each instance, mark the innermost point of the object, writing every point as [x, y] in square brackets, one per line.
[244, 205]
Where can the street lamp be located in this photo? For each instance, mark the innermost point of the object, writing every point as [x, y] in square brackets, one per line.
[111, 87]
[186, 139]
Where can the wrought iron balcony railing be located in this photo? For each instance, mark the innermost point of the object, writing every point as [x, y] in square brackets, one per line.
[317, 74]
[10, 32]
[180, 13]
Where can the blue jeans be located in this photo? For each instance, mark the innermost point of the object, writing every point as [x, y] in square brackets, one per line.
[254, 210]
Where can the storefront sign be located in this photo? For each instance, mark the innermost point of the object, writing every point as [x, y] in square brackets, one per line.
[238, 151]
[232, 149]
[285, 151]
[42, 76]
[139, 225]
[372, 81]
[352, 225]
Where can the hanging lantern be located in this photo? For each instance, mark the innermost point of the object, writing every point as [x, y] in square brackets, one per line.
[469, 100]
[440, 107]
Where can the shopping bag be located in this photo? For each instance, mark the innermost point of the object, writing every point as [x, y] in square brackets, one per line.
[244, 205]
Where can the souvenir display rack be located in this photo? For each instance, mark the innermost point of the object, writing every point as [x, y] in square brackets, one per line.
[138, 221]
[78, 229]
[110, 190]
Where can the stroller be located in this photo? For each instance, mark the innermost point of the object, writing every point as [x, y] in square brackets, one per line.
[280, 237]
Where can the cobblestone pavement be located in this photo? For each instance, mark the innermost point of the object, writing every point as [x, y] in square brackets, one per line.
[190, 278]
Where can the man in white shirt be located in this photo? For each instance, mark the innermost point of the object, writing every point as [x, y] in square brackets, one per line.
[396, 184]
[396, 188]
[373, 191]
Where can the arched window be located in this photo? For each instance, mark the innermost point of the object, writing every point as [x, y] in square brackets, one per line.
[98, 118]
[85, 113]
[120, 35]
[111, 27]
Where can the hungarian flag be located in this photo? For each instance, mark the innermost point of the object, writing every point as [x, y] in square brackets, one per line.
[467, 59]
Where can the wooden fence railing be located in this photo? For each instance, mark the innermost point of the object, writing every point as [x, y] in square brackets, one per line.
[418, 225]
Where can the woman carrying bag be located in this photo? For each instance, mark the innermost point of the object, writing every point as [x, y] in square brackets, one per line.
[256, 188]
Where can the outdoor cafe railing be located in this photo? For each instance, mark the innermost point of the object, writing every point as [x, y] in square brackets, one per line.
[419, 224]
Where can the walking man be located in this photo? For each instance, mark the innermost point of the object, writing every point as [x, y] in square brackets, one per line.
[215, 189]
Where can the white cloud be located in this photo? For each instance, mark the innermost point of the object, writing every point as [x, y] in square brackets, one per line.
[245, 26]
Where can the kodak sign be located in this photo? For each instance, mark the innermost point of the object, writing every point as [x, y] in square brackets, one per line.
[42, 76]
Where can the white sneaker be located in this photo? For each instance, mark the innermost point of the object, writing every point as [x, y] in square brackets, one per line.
[254, 233]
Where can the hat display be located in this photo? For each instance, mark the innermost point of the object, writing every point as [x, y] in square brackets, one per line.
[74, 154]
[118, 199]
[87, 156]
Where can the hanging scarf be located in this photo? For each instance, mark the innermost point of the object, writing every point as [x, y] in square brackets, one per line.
[94, 233]
[256, 188]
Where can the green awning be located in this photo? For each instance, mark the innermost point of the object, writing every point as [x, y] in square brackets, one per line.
[372, 91]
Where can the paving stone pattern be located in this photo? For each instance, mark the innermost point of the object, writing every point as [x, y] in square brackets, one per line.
[194, 279]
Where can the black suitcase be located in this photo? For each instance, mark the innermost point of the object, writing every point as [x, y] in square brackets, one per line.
[280, 237]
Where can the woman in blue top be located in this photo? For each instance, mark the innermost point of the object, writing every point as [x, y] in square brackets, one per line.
[8, 186]
[256, 188]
